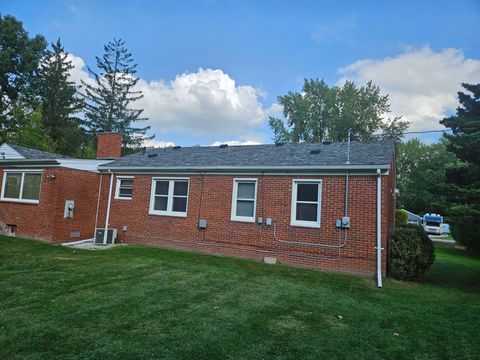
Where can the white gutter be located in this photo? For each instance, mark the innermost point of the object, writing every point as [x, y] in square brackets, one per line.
[107, 216]
[262, 168]
[379, 228]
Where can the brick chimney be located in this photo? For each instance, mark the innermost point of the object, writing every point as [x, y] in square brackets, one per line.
[109, 145]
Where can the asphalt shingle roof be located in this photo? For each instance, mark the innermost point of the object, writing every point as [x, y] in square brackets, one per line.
[29, 153]
[287, 155]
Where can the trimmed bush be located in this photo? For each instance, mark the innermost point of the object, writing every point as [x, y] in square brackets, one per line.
[401, 217]
[412, 253]
[465, 227]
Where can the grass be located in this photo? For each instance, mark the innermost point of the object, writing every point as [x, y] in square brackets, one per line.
[147, 303]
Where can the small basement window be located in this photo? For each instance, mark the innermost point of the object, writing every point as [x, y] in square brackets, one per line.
[244, 200]
[306, 203]
[169, 197]
[124, 188]
[21, 186]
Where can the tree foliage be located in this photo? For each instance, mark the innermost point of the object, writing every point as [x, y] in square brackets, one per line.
[464, 142]
[19, 58]
[319, 112]
[60, 101]
[421, 179]
[109, 101]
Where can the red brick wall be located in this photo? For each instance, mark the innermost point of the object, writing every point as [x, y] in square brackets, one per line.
[45, 220]
[210, 198]
[109, 145]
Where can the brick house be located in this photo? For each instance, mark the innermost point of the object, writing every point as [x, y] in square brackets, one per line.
[315, 205]
[48, 196]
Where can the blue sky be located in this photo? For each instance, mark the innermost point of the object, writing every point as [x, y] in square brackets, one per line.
[418, 52]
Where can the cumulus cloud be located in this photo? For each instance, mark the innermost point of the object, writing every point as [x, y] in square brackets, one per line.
[422, 84]
[204, 102]
[153, 143]
[235, 143]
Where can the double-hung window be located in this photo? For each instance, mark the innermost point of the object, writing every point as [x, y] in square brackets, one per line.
[306, 203]
[124, 188]
[169, 197]
[22, 186]
[244, 199]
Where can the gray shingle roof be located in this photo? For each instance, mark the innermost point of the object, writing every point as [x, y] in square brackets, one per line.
[29, 153]
[367, 153]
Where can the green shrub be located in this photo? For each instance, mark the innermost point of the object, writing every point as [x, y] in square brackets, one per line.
[412, 252]
[465, 227]
[401, 217]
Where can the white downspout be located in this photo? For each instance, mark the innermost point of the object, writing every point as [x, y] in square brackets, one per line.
[379, 228]
[107, 216]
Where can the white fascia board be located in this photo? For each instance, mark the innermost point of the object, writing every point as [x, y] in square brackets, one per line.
[82, 164]
[244, 168]
[9, 153]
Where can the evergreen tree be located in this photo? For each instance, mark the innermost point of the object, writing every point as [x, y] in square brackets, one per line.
[109, 100]
[464, 142]
[19, 59]
[59, 101]
[320, 112]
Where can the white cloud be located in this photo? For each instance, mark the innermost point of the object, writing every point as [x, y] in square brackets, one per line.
[153, 143]
[206, 102]
[235, 143]
[422, 84]
[79, 72]
[340, 30]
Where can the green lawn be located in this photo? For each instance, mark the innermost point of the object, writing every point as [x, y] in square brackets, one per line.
[139, 302]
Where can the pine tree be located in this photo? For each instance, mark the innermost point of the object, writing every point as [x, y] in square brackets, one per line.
[108, 101]
[59, 100]
[465, 144]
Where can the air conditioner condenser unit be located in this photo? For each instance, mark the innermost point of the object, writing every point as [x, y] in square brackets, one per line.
[100, 233]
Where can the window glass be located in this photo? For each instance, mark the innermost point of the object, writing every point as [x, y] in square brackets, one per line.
[12, 186]
[160, 203]
[307, 192]
[179, 204]
[170, 197]
[246, 190]
[245, 208]
[125, 188]
[31, 186]
[161, 188]
[180, 188]
[307, 212]
[306, 203]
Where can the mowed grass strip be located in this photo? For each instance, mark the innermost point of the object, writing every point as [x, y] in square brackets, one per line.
[149, 303]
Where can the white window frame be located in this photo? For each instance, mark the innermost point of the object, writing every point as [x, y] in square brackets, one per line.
[234, 217]
[22, 181]
[293, 218]
[117, 187]
[169, 211]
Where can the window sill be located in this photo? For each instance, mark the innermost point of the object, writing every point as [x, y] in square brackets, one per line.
[122, 198]
[313, 225]
[20, 201]
[181, 215]
[240, 219]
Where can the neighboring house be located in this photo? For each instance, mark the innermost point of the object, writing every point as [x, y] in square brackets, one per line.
[48, 196]
[413, 218]
[302, 204]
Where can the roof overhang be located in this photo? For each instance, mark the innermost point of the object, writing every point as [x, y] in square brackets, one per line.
[33, 163]
[242, 169]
